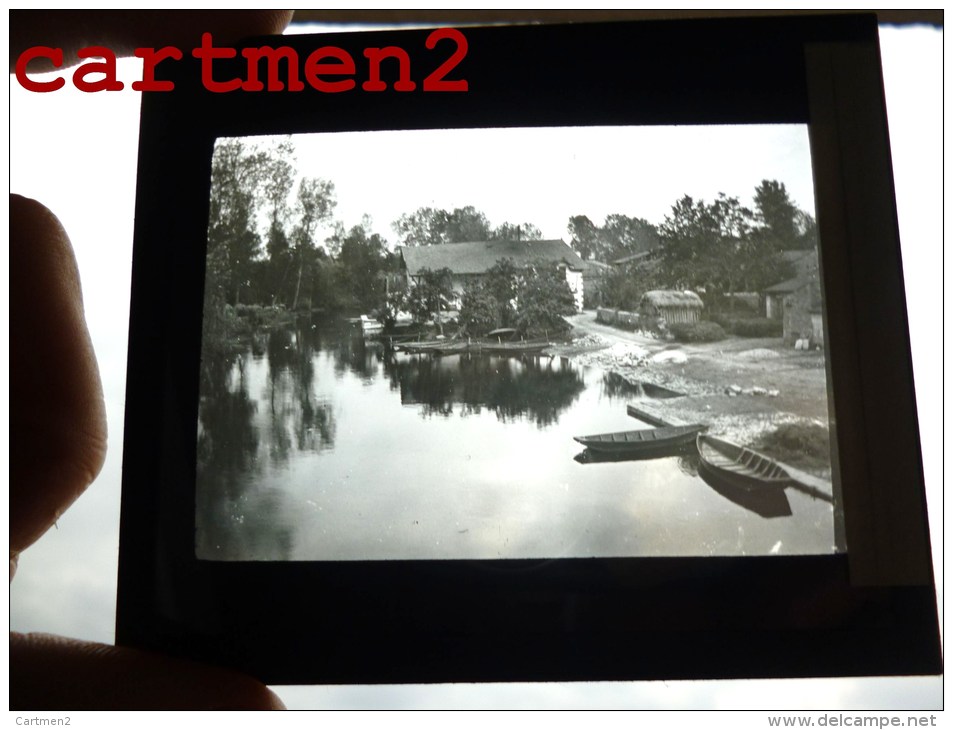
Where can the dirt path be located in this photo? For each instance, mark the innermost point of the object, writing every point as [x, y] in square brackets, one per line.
[740, 387]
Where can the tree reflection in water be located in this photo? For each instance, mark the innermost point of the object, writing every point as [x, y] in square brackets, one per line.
[298, 419]
[616, 386]
[292, 441]
[233, 513]
[230, 513]
[533, 387]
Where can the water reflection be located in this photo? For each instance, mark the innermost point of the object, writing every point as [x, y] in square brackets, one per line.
[299, 421]
[536, 388]
[227, 454]
[314, 445]
[614, 384]
[766, 501]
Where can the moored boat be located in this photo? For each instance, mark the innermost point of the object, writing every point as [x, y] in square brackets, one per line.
[738, 466]
[515, 348]
[428, 346]
[647, 441]
[456, 346]
[450, 347]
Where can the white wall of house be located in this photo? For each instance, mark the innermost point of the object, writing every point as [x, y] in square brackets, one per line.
[574, 279]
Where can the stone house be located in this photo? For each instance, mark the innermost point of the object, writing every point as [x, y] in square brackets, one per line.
[797, 301]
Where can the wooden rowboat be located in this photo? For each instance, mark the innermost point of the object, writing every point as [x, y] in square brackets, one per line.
[513, 348]
[415, 348]
[739, 466]
[645, 442]
[457, 346]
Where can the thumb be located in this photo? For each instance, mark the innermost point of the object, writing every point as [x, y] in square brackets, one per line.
[53, 673]
[57, 415]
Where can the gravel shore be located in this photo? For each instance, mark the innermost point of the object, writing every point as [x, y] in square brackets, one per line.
[741, 388]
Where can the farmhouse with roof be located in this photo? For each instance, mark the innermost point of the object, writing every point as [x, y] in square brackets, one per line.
[470, 261]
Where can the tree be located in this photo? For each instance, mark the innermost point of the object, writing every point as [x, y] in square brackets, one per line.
[807, 231]
[584, 236]
[423, 227]
[315, 203]
[544, 299]
[361, 260]
[624, 285]
[502, 282]
[479, 309]
[277, 181]
[622, 235]
[466, 224]
[619, 236]
[776, 214]
[233, 241]
[277, 174]
[689, 237]
[431, 295]
[718, 248]
[434, 226]
[738, 254]
[516, 232]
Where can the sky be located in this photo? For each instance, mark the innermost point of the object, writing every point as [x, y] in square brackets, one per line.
[77, 153]
[545, 176]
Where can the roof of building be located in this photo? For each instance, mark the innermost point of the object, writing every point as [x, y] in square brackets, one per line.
[477, 257]
[667, 298]
[595, 267]
[632, 257]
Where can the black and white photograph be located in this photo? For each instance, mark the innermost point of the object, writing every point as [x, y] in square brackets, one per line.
[514, 343]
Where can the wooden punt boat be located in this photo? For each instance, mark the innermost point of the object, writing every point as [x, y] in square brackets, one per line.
[456, 346]
[450, 348]
[645, 442]
[513, 348]
[413, 348]
[739, 466]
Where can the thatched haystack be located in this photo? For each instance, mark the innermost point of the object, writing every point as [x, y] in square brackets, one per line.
[670, 306]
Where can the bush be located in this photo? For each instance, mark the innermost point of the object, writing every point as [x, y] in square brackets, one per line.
[697, 331]
[479, 310]
[799, 443]
[544, 298]
[757, 327]
[749, 326]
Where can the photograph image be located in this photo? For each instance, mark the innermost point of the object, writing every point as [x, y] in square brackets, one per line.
[482, 344]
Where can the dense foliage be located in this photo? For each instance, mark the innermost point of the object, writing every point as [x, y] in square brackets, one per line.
[749, 326]
[717, 248]
[799, 443]
[434, 226]
[702, 331]
[617, 237]
[533, 300]
[273, 243]
[430, 296]
[544, 299]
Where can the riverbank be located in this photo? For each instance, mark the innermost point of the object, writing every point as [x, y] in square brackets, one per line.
[742, 388]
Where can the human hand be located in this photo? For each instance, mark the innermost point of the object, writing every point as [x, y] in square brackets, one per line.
[57, 415]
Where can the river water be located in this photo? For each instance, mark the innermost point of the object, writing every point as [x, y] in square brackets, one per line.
[314, 445]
